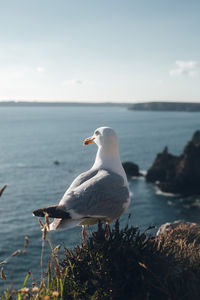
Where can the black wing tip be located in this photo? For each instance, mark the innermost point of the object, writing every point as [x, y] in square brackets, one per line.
[38, 213]
[53, 212]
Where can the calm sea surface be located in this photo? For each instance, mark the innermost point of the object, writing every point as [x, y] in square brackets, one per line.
[32, 138]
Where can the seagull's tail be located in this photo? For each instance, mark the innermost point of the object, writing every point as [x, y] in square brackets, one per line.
[55, 211]
[64, 223]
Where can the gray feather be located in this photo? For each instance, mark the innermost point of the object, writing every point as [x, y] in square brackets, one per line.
[103, 194]
[83, 177]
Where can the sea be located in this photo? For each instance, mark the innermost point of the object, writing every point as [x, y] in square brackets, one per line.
[33, 138]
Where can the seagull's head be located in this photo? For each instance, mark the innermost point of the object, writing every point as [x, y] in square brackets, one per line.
[104, 137]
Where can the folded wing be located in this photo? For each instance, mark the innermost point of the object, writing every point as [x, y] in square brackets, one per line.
[102, 195]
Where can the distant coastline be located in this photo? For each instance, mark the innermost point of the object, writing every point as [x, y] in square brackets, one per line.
[144, 106]
[59, 103]
[166, 106]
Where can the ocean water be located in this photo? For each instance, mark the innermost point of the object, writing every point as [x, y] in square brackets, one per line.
[32, 138]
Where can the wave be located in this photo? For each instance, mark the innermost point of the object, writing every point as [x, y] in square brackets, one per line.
[138, 177]
[165, 194]
[20, 165]
[141, 176]
[143, 172]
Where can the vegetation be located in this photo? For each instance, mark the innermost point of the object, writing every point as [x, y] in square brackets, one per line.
[127, 265]
[2, 189]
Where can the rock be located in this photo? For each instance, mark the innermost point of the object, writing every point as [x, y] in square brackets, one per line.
[163, 167]
[165, 106]
[179, 223]
[180, 240]
[178, 174]
[131, 169]
[196, 138]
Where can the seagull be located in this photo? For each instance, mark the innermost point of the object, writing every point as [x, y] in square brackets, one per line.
[99, 194]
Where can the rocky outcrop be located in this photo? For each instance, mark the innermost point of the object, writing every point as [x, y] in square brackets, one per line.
[179, 224]
[131, 169]
[166, 106]
[178, 174]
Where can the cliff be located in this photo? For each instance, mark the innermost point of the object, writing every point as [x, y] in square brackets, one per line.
[127, 265]
[166, 106]
[178, 174]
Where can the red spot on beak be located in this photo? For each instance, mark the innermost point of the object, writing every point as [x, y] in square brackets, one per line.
[88, 141]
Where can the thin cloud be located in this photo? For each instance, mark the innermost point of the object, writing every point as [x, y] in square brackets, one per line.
[187, 68]
[72, 82]
[40, 69]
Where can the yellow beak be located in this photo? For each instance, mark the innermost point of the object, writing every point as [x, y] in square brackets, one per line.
[88, 141]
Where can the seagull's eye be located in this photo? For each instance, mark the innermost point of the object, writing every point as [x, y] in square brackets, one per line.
[97, 132]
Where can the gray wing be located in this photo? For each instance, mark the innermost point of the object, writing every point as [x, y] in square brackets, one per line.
[82, 178]
[102, 195]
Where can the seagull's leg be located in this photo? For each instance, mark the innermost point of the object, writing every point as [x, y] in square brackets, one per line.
[84, 233]
[107, 231]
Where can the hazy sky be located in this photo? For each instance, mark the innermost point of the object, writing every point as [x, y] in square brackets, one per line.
[100, 50]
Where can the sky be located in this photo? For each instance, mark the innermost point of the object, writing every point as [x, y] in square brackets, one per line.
[100, 50]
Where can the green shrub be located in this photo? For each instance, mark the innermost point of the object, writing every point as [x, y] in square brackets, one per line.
[127, 265]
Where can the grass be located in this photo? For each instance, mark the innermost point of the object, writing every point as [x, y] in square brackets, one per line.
[183, 245]
[2, 189]
[127, 265]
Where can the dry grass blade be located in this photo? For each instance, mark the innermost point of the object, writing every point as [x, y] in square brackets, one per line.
[56, 249]
[55, 259]
[26, 244]
[2, 189]
[41, 224]
[44, 233]
[47, 223]
[142, 265]
[17, 252]
[42, 286]
[42, 252]
[3, 275]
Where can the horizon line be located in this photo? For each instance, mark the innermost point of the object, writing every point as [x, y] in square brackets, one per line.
[90, 102]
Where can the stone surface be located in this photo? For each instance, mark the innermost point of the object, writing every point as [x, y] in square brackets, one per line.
[169, 226]
[131, 168]
[178, 174]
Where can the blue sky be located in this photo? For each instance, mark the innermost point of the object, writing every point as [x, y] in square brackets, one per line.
[96, 50]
